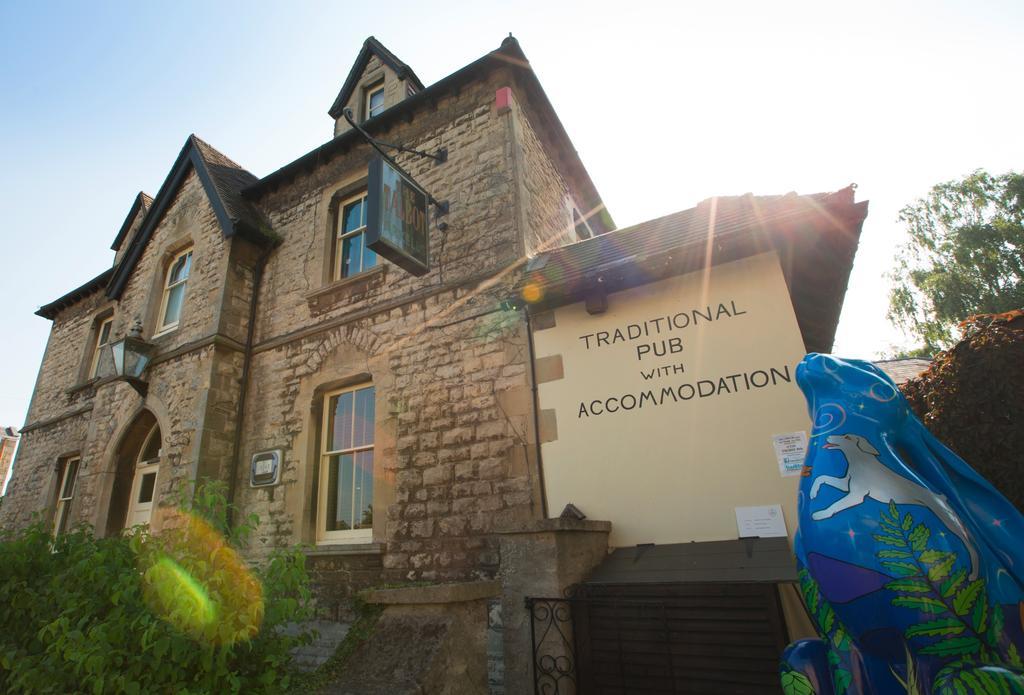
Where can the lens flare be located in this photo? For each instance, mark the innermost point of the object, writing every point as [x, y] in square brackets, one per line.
[197, 582]
[181, 599]
[532, 293]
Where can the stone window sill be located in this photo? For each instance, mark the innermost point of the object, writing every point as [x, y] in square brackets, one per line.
[333, 549]
[84, 385]
[326, 297]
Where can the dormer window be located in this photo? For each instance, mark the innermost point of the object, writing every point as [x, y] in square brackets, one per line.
[375, 100]
[174, 291]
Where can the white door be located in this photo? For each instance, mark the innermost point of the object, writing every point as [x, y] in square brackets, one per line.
[147, 465]
[143, 490]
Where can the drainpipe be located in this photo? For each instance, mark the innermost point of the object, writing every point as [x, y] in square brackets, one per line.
[257, 281]
[536, 411]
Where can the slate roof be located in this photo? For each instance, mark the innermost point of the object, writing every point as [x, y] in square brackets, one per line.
[229, 179]
[815, 236]
[370, 48]
[50, 311]
[223, 181]
[904, 369]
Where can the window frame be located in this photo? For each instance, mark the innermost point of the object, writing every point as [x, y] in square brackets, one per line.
[369, 92]
[142, 468]
[581, 226]
[166, 286]
[62, 507]
[323, 536]
[340, 236]
[97, 345]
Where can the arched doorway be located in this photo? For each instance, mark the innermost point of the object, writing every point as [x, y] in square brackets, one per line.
[137, 471]
[147, 465]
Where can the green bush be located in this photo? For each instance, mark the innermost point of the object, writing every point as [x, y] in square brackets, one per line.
[970, 398]
[178, 612]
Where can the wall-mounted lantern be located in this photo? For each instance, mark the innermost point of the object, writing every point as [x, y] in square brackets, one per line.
[131, 356]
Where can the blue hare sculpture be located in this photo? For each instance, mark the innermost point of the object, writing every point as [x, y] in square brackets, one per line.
[910, 563]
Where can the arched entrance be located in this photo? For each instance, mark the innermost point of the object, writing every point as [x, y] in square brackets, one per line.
[138, 466]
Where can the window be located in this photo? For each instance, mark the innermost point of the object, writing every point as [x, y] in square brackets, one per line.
[65, 492]
[174, 291]
[375, 100]
[583, 230]
[345, 505]
[350, 253]
[102, 338]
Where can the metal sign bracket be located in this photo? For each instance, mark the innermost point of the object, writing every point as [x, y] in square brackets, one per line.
[440, 206]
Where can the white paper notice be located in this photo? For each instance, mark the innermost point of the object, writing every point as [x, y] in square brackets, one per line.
[790, 450]
[761, 522]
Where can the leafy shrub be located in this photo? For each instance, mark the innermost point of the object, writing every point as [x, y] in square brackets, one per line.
[970, 398]
[178, 612]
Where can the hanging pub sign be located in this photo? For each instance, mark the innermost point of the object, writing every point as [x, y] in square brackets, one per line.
[397, 223]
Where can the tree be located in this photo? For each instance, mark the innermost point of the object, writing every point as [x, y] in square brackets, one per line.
[965, 256]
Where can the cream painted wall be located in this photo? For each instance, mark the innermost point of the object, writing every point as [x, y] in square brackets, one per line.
[674, 472]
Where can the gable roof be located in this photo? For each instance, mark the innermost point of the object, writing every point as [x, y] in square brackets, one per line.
[508, 54]
[371, 47]
[815, 237]
[223, 181]
[142, 202]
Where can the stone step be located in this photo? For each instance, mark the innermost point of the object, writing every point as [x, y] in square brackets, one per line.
[329, 635]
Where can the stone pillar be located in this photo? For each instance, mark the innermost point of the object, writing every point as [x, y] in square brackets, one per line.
[541, 559]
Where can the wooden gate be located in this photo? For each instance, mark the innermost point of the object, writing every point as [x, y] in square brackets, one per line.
[659, 638]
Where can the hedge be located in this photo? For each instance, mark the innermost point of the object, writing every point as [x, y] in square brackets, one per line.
[177, 612]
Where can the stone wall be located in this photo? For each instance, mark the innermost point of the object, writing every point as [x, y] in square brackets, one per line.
[33, 486]
[65, 362]
[133, 229]
[297, 292]
[541, 560]
[455, 450]
[193, 381]
[7, 447]
[374, 73]
[547, 202]
[189, 221]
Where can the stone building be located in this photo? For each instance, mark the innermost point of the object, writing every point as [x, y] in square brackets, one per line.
[390, 421]
[9, 437]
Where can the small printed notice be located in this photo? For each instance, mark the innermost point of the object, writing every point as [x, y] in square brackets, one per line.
[790, 450]
[761, 522]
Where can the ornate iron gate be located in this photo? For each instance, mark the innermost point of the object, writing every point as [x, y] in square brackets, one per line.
[683, 638]
[553, 634]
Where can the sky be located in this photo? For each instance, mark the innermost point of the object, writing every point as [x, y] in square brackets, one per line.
[667, 104]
